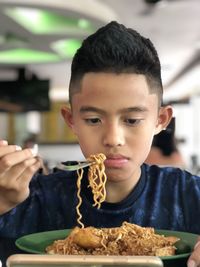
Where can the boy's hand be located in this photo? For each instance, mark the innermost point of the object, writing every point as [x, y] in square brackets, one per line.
[194, 260]
[17, 167]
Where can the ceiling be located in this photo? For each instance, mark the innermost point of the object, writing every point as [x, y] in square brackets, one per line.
[174, 28]
[47, 45]
[43, 31]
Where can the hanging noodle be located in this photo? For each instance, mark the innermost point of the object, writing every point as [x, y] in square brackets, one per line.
[97, 180]
[80, 175]
[129, 239]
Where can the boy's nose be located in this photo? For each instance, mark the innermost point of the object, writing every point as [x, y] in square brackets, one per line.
[113, 136]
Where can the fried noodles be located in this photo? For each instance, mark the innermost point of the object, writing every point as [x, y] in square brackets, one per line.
[129, 239]
[97, 180]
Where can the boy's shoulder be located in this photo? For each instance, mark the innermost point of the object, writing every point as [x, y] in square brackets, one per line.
[168, 172]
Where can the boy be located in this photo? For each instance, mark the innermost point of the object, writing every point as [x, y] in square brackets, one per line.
[115, 96]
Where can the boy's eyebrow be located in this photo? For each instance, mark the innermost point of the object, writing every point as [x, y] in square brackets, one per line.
[98, 110]
[91, 109]
[135, 109]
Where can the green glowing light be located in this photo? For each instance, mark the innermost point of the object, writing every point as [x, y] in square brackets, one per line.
[66, 48]
[25, 56]
[45, 22]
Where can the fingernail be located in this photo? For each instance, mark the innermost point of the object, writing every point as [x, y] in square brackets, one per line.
[18, 148]
[4, 142]
[34, 150]
[191, 263]
[197, 244]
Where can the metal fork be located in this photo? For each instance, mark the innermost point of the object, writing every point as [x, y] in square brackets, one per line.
[74, 165]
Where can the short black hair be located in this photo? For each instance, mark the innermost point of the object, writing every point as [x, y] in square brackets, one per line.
[117, 49]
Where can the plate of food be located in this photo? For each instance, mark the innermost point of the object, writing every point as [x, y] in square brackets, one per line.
[128, 239]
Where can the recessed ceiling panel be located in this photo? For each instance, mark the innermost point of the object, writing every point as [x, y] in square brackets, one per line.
[66, 48]
[41, 21]
[44, 31]
[26, 56]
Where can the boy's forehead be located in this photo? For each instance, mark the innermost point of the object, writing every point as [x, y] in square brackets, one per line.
[113, 75]
[106, 80]
[128, 87]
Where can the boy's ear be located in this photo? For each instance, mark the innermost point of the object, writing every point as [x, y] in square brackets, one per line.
[164, 118]
[67, 115]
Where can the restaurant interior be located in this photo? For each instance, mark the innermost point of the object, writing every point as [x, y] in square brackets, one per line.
[38, 40]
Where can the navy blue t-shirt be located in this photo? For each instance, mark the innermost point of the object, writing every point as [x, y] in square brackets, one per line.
[164, 198]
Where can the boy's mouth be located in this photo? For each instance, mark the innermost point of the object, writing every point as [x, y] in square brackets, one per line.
[115, 161]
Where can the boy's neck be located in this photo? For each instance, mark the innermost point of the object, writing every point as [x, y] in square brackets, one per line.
[117, 191]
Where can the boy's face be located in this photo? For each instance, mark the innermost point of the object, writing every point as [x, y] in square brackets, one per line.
[116, 115]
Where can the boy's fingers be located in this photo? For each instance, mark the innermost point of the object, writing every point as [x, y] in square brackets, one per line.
[197, 243]
[26, 176]
[7, 149]
[16, 171]
[15, 182]
[9, 160]
[194, 260]
[3, 142]
[27, 168]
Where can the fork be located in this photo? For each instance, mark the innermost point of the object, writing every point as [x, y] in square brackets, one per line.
[74, 165]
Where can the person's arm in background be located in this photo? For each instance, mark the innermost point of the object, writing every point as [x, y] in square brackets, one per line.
[17, 167]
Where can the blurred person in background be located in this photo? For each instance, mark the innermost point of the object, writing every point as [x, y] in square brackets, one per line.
[164, 150]
[30, 141]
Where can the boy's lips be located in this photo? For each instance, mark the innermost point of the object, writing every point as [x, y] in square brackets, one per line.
[115, 161]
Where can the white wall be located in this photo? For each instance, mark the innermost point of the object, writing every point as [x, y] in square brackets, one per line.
[188, 128]
[3, 125]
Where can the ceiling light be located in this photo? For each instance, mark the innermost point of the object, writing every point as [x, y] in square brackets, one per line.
[66, 48]
[25, 56]
[41, 21]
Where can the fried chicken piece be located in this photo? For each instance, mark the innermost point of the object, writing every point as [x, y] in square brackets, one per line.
[87, 238]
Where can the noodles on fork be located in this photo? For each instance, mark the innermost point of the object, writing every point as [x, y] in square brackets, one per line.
[97, 180]
[129, 239]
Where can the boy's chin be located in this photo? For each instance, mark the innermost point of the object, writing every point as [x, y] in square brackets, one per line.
[128, 172]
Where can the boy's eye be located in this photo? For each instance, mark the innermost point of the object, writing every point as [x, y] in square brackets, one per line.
[93, 120]
[132, 122]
